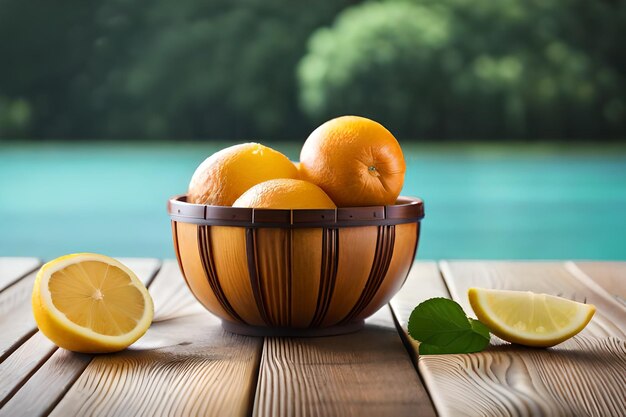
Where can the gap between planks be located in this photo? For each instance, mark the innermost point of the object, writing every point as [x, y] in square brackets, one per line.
[606, 277]
[424, 282]
[523, 404]
[547, 277]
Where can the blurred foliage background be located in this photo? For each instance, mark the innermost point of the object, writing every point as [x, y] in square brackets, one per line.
[258, 69]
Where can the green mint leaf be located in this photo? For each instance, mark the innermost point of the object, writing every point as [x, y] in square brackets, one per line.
[480, 328]
[469, 342]
[441, 326]
[426, 349]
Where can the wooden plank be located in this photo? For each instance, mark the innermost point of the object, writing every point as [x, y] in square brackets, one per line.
[609, 275]
[145, 268]
[16, 318]
[22, 363]
[37, 373]
[367, 373]
[16, 321]
[12, 269]
[424, 282]
[43, 389]
[583, 376]
[184, 365]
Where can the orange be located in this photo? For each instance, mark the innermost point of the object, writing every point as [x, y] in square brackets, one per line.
[285, 194]
[355, 160]
[226, 174]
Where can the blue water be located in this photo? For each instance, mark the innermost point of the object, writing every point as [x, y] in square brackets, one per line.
[481, 202]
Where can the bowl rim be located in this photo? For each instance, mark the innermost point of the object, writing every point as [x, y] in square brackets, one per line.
[406, 210]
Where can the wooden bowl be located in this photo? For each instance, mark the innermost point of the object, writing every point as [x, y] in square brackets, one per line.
[295, 272]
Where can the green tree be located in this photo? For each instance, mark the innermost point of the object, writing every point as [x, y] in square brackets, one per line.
[482, 69]
[44, 48]
[158, 69]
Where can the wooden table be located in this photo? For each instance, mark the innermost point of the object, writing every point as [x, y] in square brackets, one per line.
[187, 365]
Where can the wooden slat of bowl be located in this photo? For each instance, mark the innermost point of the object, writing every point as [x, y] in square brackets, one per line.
[406, 236]
[231, 266]
[405, 210]
[385, 240]
[311, 248]
[193, 269]
[294, 278]
[353, 270]
[273, 262]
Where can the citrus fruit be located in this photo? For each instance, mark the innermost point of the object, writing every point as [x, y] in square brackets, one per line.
[296, 164]
[355, 160]
[527, 318]
[90, 303]
[226, 174]
[285, 194]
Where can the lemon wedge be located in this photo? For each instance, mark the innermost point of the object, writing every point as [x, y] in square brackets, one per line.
[527, 318]
[90, 303]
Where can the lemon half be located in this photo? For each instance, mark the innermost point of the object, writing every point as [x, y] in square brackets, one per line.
[91, 303]
[527, 318]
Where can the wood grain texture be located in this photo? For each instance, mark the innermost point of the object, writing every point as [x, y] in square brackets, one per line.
[184, 365]
[273, 260]
[385, 244]
[311, 248]
[193, 269]
[403, 257]
[20, 365]
[353, 269]
[609, 275]
[145, 268]
[367, 373]
[44, 388]
[12, 269]
[541, 277]
[16, 317]
[584, 376]
[36, 374]
[231, 266]
[294, 278]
